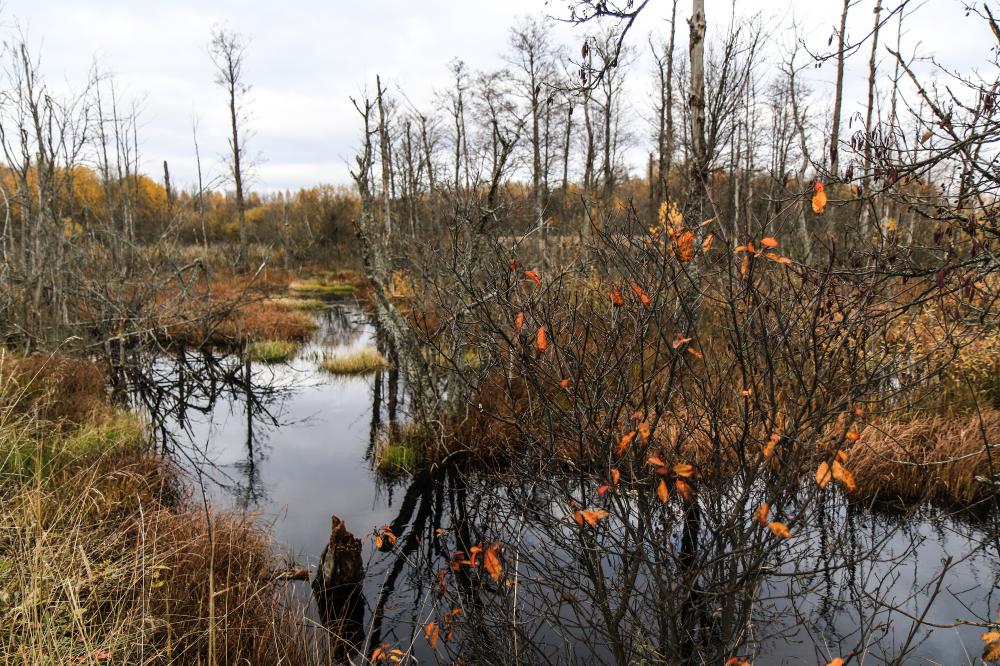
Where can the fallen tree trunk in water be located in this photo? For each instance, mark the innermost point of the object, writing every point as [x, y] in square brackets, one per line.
[338, 589]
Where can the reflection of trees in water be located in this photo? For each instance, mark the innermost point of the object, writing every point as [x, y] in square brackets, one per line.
[642, 586]
[179, 390]
[339, 325]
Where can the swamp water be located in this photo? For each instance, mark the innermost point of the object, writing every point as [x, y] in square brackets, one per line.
[295, 445]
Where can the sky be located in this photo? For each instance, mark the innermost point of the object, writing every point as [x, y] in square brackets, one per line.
[306, 58]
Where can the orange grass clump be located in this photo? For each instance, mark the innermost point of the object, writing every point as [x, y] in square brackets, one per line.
[937, 458]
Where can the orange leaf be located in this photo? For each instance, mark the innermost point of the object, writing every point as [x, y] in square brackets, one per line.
[853, 436]
[683, 469]
[736, 661]
[823, 475]
[769, 242]
[836, 662]
[512, 264]
[844, 476]
[761, 514]
[431, 632]
[842, 457]
[591, 516]
[615, 476]
[518, 323]
[616, 299]
[625, 441]
[662, 492]
[706, 244]
[990, 636]
[745, 265]
[564, 384]
[492, 560]
[683, 489]
[780, 530]
[991, 652]
[643, 431]
[679, 340]
[694, 352]
[777, 257]
[819, 199]
[641, 293]
[533, 276]
[603, 489]
[541, 341]
[655, 462]
[768, 449]
[685, 247]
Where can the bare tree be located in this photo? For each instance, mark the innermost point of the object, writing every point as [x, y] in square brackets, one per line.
[228, 51]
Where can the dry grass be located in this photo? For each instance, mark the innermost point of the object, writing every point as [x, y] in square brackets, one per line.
[321, 288]
[357, 362]
[55, 386]
[104, 560]
[937, 458]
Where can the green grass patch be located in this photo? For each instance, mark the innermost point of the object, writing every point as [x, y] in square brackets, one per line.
[272, 351]
[358, 362]
[25, 452]
[398, 460]
[320, 288]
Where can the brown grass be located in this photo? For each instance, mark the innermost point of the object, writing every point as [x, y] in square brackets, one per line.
[105, 559]
[937, 458]
[56, 386]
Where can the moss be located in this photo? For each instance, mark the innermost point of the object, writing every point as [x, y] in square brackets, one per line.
[272, 351]
[358, 362]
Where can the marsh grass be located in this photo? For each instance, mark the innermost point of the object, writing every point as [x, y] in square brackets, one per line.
[401, 450]
[940, 457]
[303, 304]
[106, 558]
[397, 460]
[272, 351]
[356, 362]
[318, 287]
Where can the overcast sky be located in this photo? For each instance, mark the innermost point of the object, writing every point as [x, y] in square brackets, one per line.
[306, 57]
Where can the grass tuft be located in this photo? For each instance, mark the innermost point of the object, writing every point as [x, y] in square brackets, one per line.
[303, 304]
[397, 460]
[321, 288]
[272, 351]
[358, 362]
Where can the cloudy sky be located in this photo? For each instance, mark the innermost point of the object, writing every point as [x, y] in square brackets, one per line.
[307, 57]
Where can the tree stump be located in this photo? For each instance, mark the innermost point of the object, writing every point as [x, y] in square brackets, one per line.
[338, 588]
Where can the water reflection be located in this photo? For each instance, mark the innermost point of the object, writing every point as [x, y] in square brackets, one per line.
[664, 584]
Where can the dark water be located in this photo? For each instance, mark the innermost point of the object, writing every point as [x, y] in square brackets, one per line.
[295, 445]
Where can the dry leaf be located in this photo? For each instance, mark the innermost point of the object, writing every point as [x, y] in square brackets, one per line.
[823, 475]
[780, 530]
[662, 492]
[541, 340]
[492, 560]
[819, 199]
[683, 469]
[625, 441]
